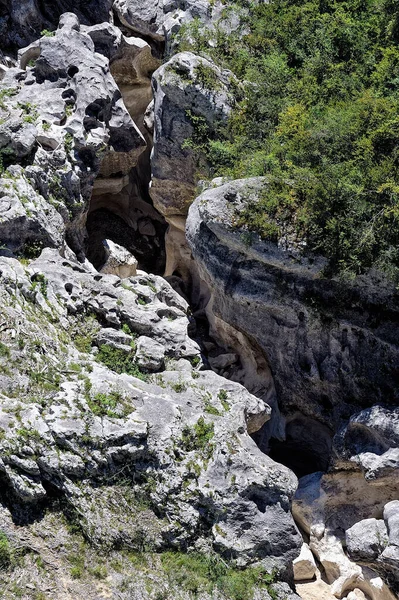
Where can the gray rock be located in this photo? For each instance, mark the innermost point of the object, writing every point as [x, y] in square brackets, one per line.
[282, 591]
[161, 19]
[150, 355]
[67, 115]
[391, 517]
[222, 361]
[114, 338]
[94, 425]
[22, 22]
[366, 539]
[304, 565]
[178, 90]
[278, 297]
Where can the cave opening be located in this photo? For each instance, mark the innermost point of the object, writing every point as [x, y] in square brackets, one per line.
[306, 448]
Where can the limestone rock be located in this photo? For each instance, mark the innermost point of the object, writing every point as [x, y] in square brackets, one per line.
[304, 565]
[22, 22]
[161, 19]
[119, 261]
[150, 355]
[366, 539]
[222, 361]
[96, 423]
[179, 92]
[320, 498]
[63, 111]
[391, 517]
[275, 295]
[115, 338]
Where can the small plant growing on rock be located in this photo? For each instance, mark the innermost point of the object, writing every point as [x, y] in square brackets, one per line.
[119, 361]
[207, 77]
[198, 438]
[5, 551]
[47, 33]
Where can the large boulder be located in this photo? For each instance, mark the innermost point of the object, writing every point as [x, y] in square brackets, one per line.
[180, 436]
[341, 510]
[187, 106]
[160, 19]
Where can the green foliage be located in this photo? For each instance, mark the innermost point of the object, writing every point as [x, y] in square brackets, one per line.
[5, 551]
[111, 405]
[198, 438]
[83, 343]
[179, 387]
[208, 406]
[317, 114]
[4, 94]
[206, 77]
[32, 249]
[40, 282]
[47, 33]
[30, 112]
[119, 361]
[68, 143]
[4, 351]
[196, 573]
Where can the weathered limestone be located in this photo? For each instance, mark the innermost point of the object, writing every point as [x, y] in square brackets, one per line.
[97, 421]
[21, 22]
[64, 112]
[341, 509]
[181, 100]
[314, 332]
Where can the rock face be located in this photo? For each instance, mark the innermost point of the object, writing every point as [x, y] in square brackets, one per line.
[304, 565]
[326, 348]
[62, 110]
[184, 102]
[207, 474]
[118, 261]
[160, 19]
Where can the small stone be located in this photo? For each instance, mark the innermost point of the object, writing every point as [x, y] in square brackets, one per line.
[222, 361]
[119, 261]
[304, 565]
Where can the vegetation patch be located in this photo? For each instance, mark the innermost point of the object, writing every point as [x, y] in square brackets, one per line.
[119, 361]
[198, 438]
[317, 114]
[198, 573]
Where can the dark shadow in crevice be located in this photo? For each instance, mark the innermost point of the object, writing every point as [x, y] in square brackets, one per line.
[307, 447]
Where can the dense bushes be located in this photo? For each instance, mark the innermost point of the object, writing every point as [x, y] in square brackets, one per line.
[318, 114]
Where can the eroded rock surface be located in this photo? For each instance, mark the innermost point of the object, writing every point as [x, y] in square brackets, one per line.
[349, 507]
[174, 430]
[63, 114]
[321, 337]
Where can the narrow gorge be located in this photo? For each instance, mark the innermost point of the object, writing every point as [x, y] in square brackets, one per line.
[189, 409]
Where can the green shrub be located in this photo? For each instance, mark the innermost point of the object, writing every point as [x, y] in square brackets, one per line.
[198, 438]
[4, 350]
